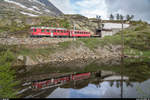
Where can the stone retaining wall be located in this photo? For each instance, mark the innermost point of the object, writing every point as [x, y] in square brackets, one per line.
[29, 41]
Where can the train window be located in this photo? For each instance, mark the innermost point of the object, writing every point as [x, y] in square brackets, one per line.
[64, 31]
[47, 30]
[61, 31]
[35, 30]
[43, 30]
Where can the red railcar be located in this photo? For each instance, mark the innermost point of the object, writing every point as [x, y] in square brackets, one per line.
[54, 81]
[57, 32]
[81, 76]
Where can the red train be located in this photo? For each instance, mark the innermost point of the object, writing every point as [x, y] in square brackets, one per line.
[64, 79]
[57, 32]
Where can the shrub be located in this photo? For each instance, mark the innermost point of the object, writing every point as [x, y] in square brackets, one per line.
[7, 77]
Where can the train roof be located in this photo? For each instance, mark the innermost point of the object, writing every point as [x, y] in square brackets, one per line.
[49, 28]
[57, 28]
[79, 30]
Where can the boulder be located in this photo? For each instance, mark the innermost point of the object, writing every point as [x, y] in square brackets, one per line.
[20, 58]
[29, 61]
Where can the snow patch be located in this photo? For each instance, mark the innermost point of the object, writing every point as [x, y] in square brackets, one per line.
[29, 14]
[35, 8]
[19, 4]
[37, 2]
[46, 10]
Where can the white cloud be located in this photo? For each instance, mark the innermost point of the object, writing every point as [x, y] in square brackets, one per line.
[88, 8]
[64, 5]
[91, 8]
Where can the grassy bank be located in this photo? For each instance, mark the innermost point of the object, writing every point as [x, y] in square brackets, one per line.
[136, 39]
[7, 75]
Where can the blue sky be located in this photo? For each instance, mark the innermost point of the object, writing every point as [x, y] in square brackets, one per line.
[91, 8]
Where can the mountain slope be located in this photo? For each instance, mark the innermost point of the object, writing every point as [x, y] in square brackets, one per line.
[30, 7]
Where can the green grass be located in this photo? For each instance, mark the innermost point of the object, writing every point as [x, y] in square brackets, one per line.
[65, 44]
[7, 75]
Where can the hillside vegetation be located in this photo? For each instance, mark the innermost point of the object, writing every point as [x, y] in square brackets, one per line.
[136, 38]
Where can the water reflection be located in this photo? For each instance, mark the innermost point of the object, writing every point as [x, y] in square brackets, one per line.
[104, 91]
[104, 82]
[100, 84]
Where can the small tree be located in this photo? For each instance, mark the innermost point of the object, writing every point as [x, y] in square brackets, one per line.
[127, 17]
[118, 17]
[111, 17]
[121, 17]
[132, 16]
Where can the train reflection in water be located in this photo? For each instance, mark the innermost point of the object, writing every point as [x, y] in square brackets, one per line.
[48, 83]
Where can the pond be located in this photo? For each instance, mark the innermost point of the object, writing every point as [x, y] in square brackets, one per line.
[129, 81]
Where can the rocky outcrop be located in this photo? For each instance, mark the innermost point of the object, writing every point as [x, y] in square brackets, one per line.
[76, 55]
